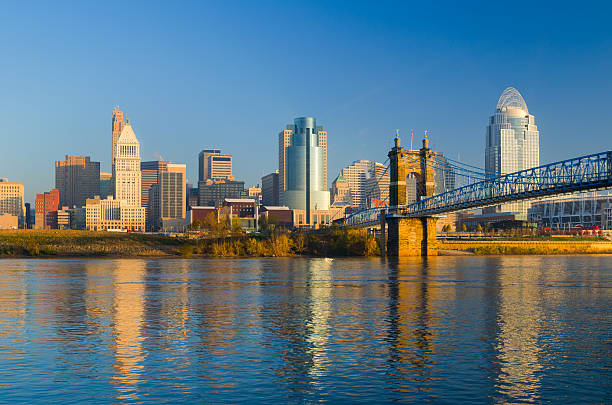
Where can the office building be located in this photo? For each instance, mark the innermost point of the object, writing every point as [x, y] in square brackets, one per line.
[77, 178]
[116, 126]
[512, 144]
[366, 179]
[45, 210]
[106, 184]
[303, 166]
[172, 197]
[270, 189]
[12, 201]
[212, 193]
[203, 161]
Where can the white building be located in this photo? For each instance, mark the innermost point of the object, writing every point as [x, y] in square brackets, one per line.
[367, 179]
[126, 171]
[124, 212]
[513, 143]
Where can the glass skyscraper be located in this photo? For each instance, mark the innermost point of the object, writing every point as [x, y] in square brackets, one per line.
[303, 166]
[513, 144]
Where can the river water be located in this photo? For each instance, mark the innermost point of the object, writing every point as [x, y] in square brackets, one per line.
[445, 329]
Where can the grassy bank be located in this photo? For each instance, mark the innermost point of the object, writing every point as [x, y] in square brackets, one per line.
[541, 247]
[41, 243]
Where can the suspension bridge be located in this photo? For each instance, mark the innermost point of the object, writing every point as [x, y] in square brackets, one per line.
[409, 225]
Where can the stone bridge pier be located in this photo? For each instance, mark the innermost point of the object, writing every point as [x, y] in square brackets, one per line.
[409, 236]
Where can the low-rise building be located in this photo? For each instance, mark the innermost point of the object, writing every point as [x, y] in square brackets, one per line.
[246, 210]
[281, 216]
[318, 218]
[111, 214]
[9, 221]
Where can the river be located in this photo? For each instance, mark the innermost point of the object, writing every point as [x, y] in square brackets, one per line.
[443, 329]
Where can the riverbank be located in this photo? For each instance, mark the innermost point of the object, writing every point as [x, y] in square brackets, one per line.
[333, 242]
[528, 247]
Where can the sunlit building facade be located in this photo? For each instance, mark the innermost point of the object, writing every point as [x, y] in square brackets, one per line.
[11, 200]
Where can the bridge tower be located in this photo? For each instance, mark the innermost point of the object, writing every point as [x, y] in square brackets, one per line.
[410, 236]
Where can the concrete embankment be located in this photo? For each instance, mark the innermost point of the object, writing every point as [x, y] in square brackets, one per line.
[535, 247]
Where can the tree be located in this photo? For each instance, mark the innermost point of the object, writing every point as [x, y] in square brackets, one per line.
[463, 228]
[479, 228]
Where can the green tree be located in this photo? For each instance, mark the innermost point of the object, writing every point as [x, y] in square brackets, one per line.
[463, 228]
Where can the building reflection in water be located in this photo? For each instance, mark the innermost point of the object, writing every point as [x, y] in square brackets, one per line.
[129, 297]
[12, 296]
[519, 324]
[412, 330]
[320, 283]
[297, 321]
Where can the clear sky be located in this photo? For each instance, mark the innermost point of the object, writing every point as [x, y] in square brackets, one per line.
[232, 74]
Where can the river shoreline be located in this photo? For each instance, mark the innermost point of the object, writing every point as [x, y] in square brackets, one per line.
[335, 243]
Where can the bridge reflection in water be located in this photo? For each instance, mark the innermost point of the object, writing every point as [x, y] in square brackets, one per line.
[441, 328]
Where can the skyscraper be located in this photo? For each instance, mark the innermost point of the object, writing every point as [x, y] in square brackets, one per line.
[203, 159]
[77, 178]
[303, 166]
[366, 179]
[126, 172]
[151, 174]
[512, 143]
[172, 195]
[117, 127]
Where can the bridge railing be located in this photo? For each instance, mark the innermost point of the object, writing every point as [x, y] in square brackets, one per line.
[582, 173]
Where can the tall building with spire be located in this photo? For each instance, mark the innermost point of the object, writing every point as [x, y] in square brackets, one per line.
[124, 210]
[512, 144]
[126, 171]
[117, 127]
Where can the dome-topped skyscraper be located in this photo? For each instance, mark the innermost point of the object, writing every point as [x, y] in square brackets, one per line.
[513, 143]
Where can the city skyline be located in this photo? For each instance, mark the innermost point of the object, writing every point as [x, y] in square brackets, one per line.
[60, 101]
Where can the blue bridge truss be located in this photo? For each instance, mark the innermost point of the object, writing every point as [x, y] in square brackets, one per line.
[579, 174]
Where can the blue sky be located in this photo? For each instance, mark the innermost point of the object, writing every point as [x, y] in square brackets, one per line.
[232, 74]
